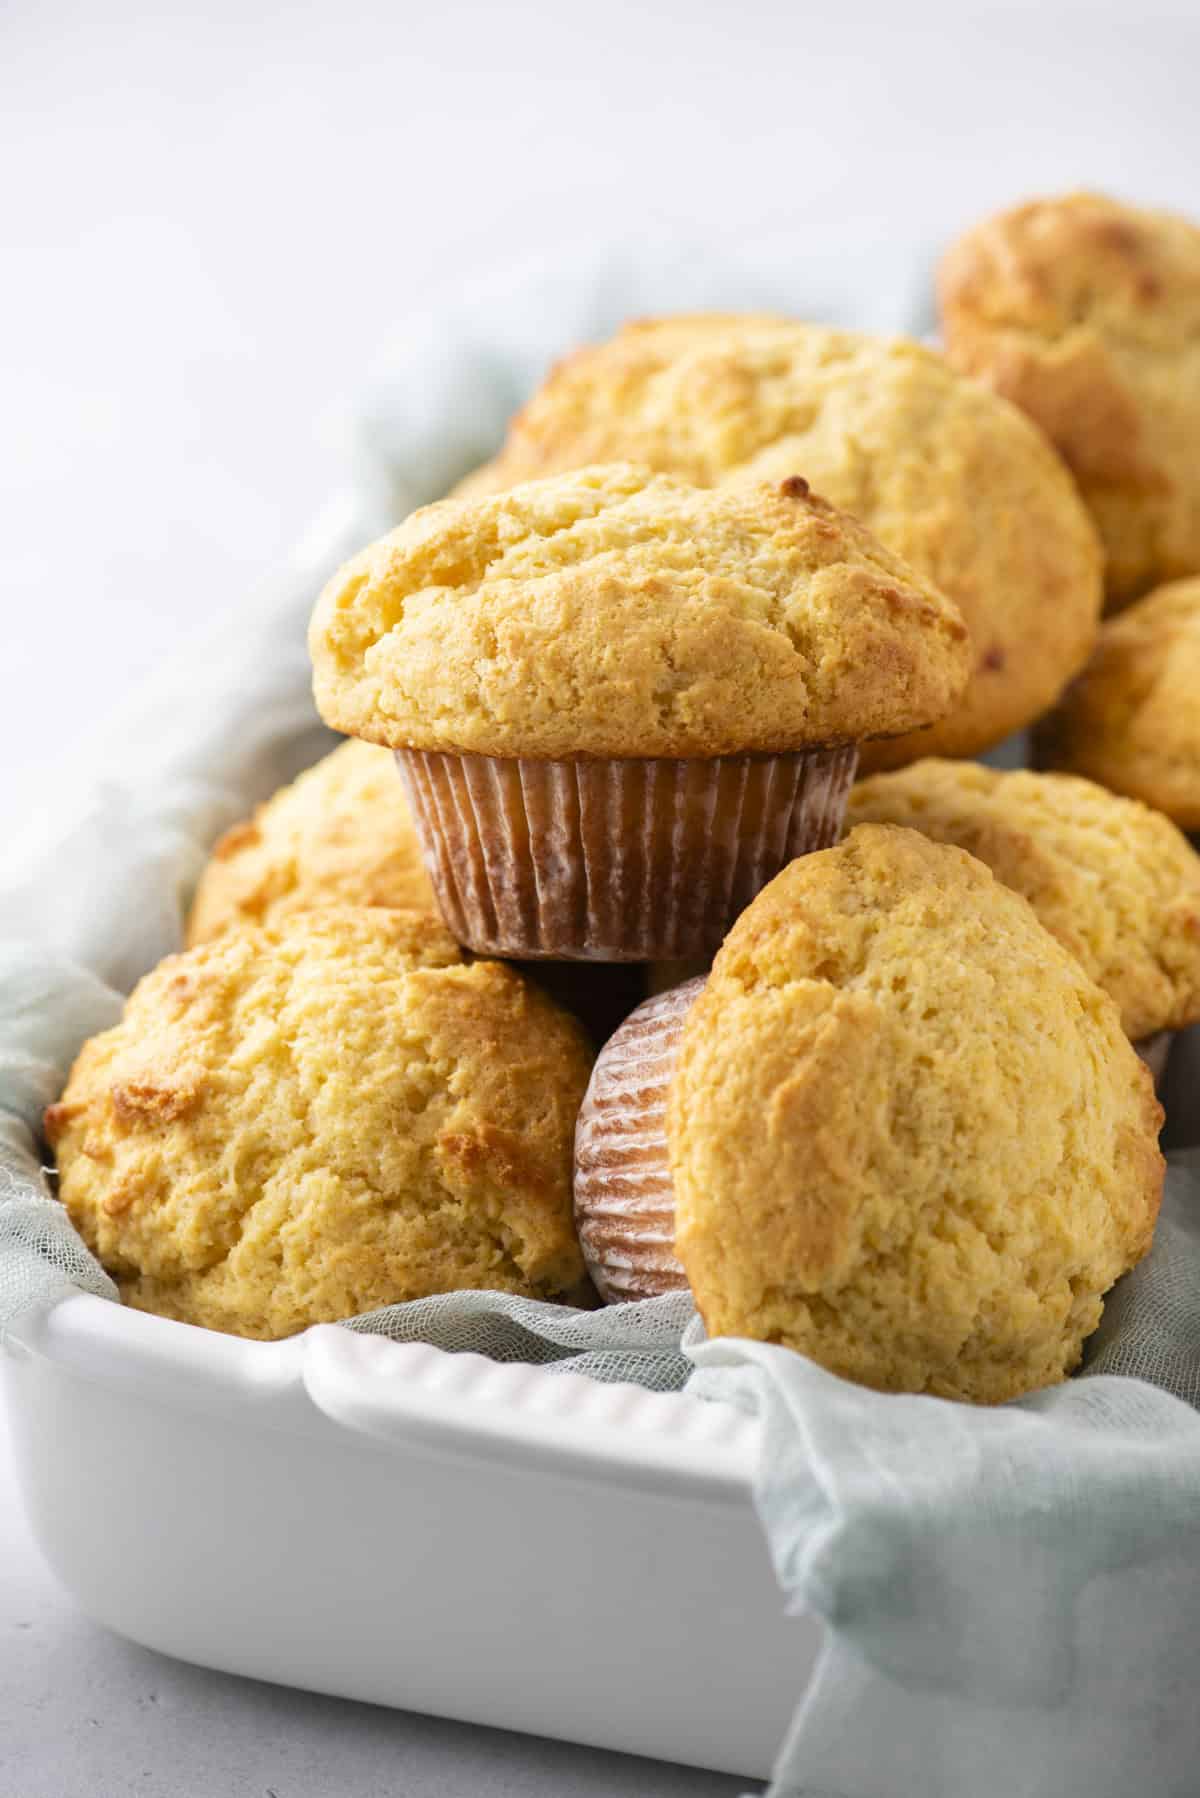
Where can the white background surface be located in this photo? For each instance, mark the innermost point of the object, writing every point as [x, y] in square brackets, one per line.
[210, 217]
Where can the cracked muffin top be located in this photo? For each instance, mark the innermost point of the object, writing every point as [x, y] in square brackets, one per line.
[340, 834]
[1116, 883]
[1132, 719]
[1086, 313]
[949, 476]
[299, 1122]
[615, 612]
[907, 1134]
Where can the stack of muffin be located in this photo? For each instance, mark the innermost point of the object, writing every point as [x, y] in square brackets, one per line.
[885, 1097]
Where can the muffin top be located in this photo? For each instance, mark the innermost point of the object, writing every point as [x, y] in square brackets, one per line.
[614, 612]
[1132, 719]
[907, 1134]
[1086, 313]
[302, 1121]
[953, 479]
[342, 834]
[1115, 882]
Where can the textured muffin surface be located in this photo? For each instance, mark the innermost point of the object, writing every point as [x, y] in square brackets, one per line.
[950, 477]
[907, 1134]
[1086, 313]
[613, 612]
[341, 834]
[296, 1123]
[1116, 883]
[1132, 719]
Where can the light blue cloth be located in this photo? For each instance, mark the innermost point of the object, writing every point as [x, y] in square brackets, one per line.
[1013, 1594]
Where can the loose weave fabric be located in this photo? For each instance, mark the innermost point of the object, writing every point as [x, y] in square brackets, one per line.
[1013, 1595]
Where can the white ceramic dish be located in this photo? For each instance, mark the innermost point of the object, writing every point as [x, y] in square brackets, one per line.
[393, 1523]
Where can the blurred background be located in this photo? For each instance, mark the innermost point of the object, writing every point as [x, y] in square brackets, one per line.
[213, 215]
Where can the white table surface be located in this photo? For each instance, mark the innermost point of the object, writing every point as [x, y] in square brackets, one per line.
[210, 215]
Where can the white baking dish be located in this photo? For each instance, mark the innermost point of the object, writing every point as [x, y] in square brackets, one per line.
[393, 1523]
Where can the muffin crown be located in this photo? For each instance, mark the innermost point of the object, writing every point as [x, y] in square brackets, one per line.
[617, 613]
[296, 1123]
[946, 474]
[1116, 883]
[907, 1135]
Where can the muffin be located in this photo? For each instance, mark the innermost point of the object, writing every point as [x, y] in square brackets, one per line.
[1115, 882]
[1132, 719]
[342, 834]
[905, 1133]
[622, 703]
[1086, 314]
[948, 476]
[300, 1121]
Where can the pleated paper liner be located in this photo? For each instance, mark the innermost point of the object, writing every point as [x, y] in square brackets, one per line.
[624, 1200]
[615, 860]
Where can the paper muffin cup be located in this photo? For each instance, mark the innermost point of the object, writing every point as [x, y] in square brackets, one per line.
[624, 1198]
[615, 860]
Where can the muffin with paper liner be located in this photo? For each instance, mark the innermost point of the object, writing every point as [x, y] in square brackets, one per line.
[897, 1129]
[621, 703]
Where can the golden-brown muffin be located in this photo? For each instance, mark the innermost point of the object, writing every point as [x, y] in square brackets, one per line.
[907, 1134]
[613, 612]
[1132, 719]
[953, 479]
[342, 834]
[298, 1122]
[1116, 883]
[1086, 313]
[622, 702]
